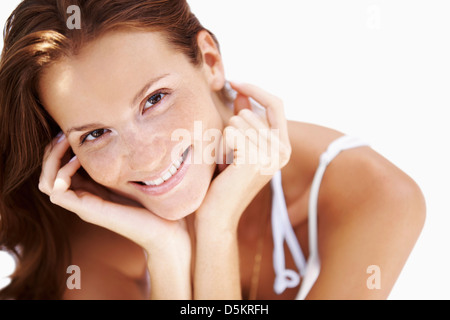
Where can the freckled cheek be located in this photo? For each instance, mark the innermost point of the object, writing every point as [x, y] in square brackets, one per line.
[102, 168]
[169, 126]
[185, 116]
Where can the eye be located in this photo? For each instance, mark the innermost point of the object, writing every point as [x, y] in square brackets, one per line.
[153, 100]
[93, 135]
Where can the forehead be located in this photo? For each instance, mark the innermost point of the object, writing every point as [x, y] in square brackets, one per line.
[108, 70]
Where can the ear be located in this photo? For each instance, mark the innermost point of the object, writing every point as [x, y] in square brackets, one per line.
[212, 61]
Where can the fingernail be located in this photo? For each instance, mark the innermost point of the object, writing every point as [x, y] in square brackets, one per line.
[61, 136]
[73, 159]
[227, 85]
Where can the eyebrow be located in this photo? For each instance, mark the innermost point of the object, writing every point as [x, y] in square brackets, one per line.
[91, 126]
[149, 84]
[137, 97]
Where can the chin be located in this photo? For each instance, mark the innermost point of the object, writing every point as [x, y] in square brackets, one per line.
[180, 212]
[186, 203]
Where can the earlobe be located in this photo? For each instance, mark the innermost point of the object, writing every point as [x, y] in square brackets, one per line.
[212, 60]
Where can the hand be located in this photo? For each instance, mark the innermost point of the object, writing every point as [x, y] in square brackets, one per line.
[260, 147]
[248, 137]
[98, 205]
[167, 243]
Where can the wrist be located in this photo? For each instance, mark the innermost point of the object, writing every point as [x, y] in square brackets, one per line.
[213, 225]
[170, 276]
[168, 253]
[217, 261]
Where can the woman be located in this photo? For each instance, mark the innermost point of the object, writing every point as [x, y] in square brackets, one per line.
[124, 154]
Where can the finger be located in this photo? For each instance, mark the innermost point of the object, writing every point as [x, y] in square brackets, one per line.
[240, 103]
[264, 135]
[261, 142]
[244, 127]
[58, 138]
[136, 224]
[63, 178]
[274, 105]
[253, 120]
[270, 149]
[225, 154]
[261, 96]
[54, 152]
[88, 206]
[236, 141]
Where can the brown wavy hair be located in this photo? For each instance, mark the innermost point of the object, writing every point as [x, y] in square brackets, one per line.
[35, 35]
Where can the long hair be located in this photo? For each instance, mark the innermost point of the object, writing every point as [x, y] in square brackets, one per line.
[35, 35]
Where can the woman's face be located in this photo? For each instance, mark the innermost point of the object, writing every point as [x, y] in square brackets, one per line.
[121, 102]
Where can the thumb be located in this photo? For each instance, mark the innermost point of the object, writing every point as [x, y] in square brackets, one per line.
[224, 154]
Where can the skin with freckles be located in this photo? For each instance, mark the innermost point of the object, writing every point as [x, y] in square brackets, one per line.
[98, 87]
[118, 102]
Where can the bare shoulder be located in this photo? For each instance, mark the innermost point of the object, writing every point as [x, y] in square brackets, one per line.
[354, 178]
[370, 213]
[108, 265]
[308, 142]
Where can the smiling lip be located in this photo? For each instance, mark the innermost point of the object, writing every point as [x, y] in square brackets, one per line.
[169, 184]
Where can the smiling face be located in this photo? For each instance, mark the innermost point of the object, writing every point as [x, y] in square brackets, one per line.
[120, 100]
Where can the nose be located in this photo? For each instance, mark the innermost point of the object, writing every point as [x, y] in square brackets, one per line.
[144, 153]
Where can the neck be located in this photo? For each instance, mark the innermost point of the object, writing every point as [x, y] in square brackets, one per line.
[224, 108]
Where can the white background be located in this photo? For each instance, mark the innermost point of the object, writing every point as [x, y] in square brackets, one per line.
[376, 69]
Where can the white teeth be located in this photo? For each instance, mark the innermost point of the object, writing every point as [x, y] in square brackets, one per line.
[177, 163]
[173, 169]
[167, 175]
[158, 181]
